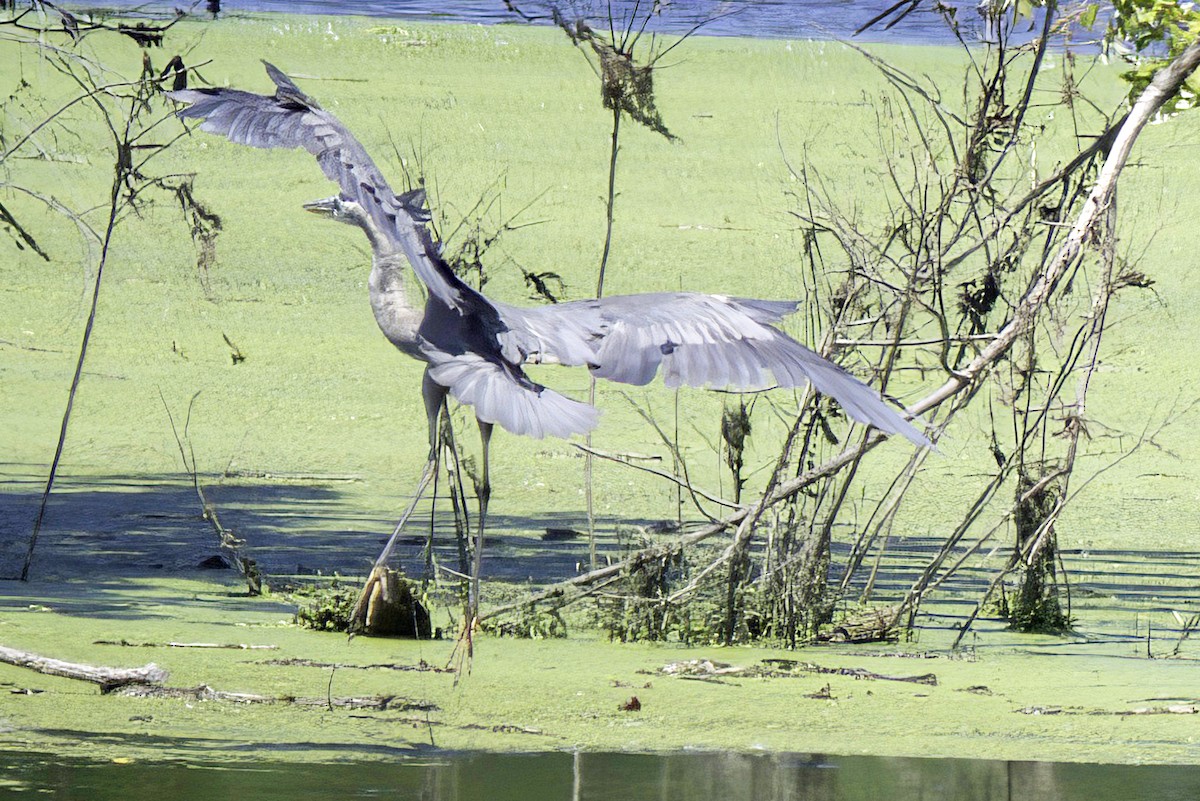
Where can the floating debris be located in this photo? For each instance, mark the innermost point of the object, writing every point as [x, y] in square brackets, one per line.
[701, 667]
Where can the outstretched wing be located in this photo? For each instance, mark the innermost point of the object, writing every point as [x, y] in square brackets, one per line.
[290, 119]
[696, 340]
[502, 394]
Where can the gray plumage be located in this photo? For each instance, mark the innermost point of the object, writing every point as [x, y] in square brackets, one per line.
[475, 347]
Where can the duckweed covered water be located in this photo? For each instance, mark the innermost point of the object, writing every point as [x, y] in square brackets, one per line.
[308, 446]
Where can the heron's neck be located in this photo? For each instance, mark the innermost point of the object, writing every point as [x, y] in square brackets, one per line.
[397, 305]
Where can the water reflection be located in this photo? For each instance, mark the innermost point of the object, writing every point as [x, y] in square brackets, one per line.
[606, 777]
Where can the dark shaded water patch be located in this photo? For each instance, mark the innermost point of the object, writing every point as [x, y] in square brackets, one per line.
[109, 526]
[600, 777]
[102, 529]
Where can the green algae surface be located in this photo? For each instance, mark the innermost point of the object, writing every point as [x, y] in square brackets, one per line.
[309, 445]
[1018, 698]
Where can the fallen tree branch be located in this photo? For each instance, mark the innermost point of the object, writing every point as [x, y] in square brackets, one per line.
[234, 646]
[420, 667]
[205, 693]
[624, 459]
[660, 551]
[108, 678]
[780, 669]
[1165, 84]
[863, 673]
[225, 537]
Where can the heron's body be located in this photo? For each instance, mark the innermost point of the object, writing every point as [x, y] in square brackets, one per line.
[475, 348]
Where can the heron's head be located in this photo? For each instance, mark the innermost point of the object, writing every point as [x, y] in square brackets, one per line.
[340, 209]
[349, 211]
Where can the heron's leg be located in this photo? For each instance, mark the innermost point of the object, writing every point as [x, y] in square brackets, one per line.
[484, 491]
[359, 617]
[435, 396]
[430, 468]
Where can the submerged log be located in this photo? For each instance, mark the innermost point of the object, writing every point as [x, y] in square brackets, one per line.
[237, 646]
[870, 625]
[108, 678]
[203, 692]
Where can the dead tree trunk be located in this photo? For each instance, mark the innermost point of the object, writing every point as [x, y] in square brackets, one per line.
[1034, 607]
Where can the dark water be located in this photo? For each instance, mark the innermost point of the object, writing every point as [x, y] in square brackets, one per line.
[113, 527]
[790, 19]
[605, 777]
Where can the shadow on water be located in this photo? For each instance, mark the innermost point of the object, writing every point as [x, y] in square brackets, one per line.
[100, 531]
[102, 527]
[607, 777]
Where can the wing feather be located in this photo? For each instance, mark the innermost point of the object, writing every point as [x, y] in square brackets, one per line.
[700, 341]
[522, 407]
[291, 119]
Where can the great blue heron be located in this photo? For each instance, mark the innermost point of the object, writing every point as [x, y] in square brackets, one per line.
[475, 348]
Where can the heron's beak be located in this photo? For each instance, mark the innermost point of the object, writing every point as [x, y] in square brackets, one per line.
[324, 207]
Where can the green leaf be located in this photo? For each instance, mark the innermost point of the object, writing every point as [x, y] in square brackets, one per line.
[1088, 18]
